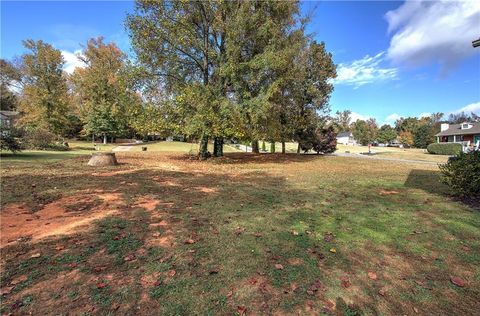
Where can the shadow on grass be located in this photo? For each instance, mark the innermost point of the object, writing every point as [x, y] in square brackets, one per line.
[430, 181]
[262, 158]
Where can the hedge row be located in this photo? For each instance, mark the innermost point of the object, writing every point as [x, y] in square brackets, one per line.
[444, 148]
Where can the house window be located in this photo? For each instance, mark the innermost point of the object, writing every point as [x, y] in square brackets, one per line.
[466, 126]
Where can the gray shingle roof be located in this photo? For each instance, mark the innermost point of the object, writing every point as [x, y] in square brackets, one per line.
[456, 129]
[344, 134]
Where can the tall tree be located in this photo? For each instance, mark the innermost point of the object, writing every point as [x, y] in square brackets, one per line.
[10, 77]
[103, 95]
[365, 131]
[386, 134]
[258, 58]
[182, 44]
[342, 120]
[44, 98]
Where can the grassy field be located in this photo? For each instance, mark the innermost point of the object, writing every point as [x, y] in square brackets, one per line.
[86, 148]
[244, 234]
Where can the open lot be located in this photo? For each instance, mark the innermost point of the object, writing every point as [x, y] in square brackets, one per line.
[254, 234]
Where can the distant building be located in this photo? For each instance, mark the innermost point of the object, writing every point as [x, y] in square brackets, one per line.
[466, 134]
[346, 138]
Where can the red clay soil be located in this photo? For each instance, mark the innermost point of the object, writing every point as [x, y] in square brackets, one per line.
[19, 223]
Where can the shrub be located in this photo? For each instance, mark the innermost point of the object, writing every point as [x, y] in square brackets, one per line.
[8, 141]
[42, 139]
[444, 148]
[462, 174]
[320, 140]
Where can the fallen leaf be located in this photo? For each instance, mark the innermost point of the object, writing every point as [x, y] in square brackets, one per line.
[294, 233]
[166, 258]
[241, 310]
[345, 282]
[130, 257]
[333, 250]
[101, 285]
[278, 266]
[6, 290]
[458, 282]
[171, 273]
[36, 255]
[372, 275]
[60, 247]
[258, 235]
[328, 237]
[415, 310]
[388, 192]
[214, 270]
[382, 292]
[19, 279]
[189, 241]
[157, 234]
[72, 265]
[229, 294]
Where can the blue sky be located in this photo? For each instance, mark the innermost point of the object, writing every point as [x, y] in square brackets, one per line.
[394, 58]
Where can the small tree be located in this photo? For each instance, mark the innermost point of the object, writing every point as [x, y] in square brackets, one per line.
[322, 140]
[8, 140]
[462, 174]
[423, 136]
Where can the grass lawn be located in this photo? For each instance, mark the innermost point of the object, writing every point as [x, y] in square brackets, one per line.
[253, 234]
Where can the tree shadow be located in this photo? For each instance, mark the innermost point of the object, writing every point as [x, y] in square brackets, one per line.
[261, 158]
[426, 180]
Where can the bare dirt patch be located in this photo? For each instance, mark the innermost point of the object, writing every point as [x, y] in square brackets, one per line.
[56, 218]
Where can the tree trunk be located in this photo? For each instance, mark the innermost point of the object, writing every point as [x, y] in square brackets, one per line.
[298, 148]
[283, 147]
[272, 147]
[104, 139]
[203, 149]
[255, 148]
[218, 146]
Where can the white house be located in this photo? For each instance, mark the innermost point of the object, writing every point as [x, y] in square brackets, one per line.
[346, 138]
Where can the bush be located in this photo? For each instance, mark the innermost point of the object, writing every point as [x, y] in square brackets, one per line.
[462, 174]
[8, 141]
[320, 140]
[43, 140]
[444, 148]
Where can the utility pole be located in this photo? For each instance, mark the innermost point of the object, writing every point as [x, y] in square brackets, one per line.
[476, 43]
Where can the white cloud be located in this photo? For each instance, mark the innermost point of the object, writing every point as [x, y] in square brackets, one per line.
[71, 61]
[354, 116]
[392, 117]
[424, 114]
[364, 71]
[433, 31]
[472, 107]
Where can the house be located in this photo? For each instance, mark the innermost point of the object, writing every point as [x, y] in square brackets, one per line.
[346, 138]
[466, 134]
[7, 119]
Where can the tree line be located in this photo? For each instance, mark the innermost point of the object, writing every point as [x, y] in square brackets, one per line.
[408, 131]
[208, 71]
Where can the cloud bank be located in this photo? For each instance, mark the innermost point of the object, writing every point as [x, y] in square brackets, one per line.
[426, 32]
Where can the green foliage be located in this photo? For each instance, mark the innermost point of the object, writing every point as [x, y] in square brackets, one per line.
[103, 92]
[365, 132]
[42, 139]
[44, 99]
[8, 141]
[423, 136]
[386, 134]
[9, 76]
[444, 148]
[462, 174]
[321, 140]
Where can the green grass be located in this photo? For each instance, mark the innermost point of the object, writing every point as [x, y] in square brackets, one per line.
[244, 214]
